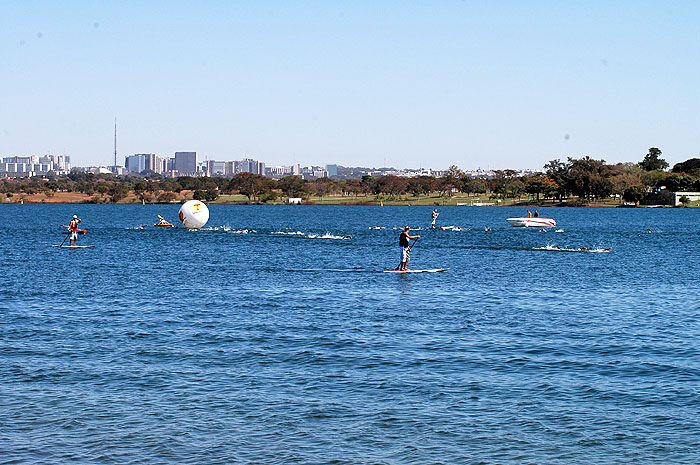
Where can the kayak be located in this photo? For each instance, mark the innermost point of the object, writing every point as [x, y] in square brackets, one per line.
[163, 225]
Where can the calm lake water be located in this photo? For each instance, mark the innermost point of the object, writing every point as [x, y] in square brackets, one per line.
[289, 345]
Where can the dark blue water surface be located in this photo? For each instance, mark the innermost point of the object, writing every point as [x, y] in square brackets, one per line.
[289, 344]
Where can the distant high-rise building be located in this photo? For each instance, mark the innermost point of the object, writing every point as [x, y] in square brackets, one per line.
[216, 168]
[249, 165]
[332, 170]
[278, 171]
[135, 163]
[139, 162]
[230, 168]
[186, 163]
[150, 161]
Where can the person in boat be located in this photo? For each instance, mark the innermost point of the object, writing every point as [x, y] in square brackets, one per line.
[162, 220]
[536, 214]
[73, 230]
[529, 214]
[403, 245]
[435, 215]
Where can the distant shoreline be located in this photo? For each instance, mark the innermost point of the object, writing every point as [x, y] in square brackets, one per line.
[484, 200]
[350, 204]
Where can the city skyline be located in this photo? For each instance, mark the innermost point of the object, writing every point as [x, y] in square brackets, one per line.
[496, 86]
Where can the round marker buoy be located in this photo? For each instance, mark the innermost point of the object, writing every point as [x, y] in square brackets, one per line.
[194, 214]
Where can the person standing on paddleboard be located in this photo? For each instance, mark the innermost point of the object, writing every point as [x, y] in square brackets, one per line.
[405, 250]
[435, 215]
[73, 230]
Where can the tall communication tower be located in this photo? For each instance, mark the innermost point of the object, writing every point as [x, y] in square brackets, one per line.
[115, 143]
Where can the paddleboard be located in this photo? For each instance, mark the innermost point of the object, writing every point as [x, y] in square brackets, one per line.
[75, 246]
[435, 270]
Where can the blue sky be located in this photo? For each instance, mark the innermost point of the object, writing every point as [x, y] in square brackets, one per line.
[490, 84]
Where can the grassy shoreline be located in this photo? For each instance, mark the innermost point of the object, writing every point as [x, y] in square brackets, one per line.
[369, 200]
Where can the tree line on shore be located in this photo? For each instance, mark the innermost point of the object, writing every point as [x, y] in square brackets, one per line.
[583, 180]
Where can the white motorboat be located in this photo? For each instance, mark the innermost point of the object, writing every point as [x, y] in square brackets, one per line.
[533, 222]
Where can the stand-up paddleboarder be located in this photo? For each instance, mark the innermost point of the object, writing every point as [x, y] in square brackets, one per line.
[73, 230]
[435, 215]
[405, 249]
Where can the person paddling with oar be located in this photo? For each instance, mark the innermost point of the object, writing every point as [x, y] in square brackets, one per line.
[404, 238]
[73, 230]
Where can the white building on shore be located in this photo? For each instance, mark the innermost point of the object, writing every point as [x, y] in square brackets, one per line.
[34, 165]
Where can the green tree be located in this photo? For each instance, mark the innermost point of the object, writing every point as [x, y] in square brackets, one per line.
[560, 173]
[117, 191]
[139, 189]
[587, 178]
[473, 185]
[634, 193]
[450, 180]
[390, 184]
[539, 184]
[323, 186]
[655, 179]
[353, 186]
[421, 185]
[166, 196]
[211, 195]
[501, 182]
[368, 183]
[249, 184]
[292, 186]
[691, 166]
[677, 182]
[652, 161]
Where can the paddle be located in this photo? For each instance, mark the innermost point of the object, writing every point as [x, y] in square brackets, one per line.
[80, 231]
[64, 239]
